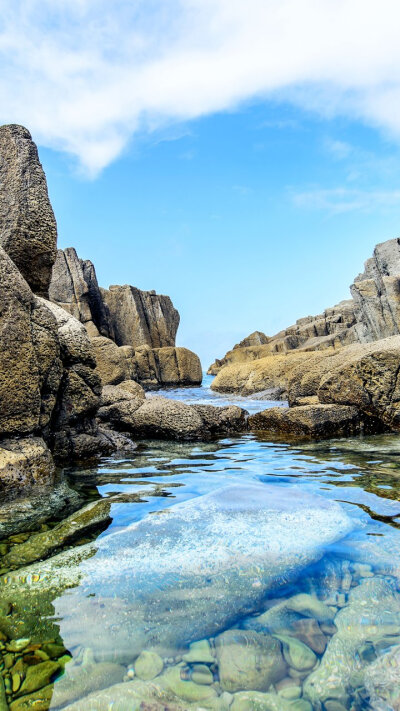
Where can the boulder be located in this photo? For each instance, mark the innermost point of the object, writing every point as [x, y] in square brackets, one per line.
[28, 230]
[178, 367]
[74, 287]
[248, 660]
[382, 681]
[140, 318]
[367, 378]
[308, 420]
[24, 463]
[114, 363]
[164, 418]
[156, 591]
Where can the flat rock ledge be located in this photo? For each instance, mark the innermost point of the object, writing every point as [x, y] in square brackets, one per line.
[320, 421]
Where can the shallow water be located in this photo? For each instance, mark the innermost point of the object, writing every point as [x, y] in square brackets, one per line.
[284, 559]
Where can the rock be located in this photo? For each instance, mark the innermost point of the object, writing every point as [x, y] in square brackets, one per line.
[118, 404]
[201, 674]
[79, 680]
[186, 690]
[25, 463]
[39, 546]
[308, 420]
[114, 364]
[309, 632]
[285, 615]
[376, 293]
[39, 700]
[333, 328]
[178, 366]
[134, 694]
[140, 318]
[148, 665]
[155, 591]
[74, 287]
[28, 230]
[371, 615]
[199, 652]
[368, 378]
[256, 701]
[382, 681]
[38, 676]
[164, 418]
[296, 653]
[248, 660]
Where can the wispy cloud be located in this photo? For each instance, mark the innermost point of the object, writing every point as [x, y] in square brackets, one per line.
[342, 200]
[86, 75]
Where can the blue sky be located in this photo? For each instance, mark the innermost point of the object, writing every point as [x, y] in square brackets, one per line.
[243, 161]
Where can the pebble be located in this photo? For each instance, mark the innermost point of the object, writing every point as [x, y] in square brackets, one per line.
[201, 674]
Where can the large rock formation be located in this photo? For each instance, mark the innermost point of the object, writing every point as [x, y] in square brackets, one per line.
[74, 287]
[333, 328]
[141, 318]
[376, 293]
[28, 230]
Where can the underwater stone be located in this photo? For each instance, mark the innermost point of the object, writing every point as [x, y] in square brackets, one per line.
[297, 654]
[248, 660]
[79, 680]
[201, 674]
[199, 652]
[148, 665]
[38, 676]
[256, 701]
[39, 700]
[185, 690]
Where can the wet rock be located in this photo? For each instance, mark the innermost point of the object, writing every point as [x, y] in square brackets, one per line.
[95, 515]
[371, 615]
[256, 701]
[3, 698]
[25, 463]
[286, 614]
[148, 665]
[28, 230]
[309, 632]
[382, 681]
[199, 652]
[248, 660]
[296, 653]
[188, 691]
[308, 420]
[152, 610]
[134, 694]
[80, 680]
[38, 701]
[38, 676]
[201, 674]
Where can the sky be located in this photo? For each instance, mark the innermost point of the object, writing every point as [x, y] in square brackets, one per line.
[242, 158]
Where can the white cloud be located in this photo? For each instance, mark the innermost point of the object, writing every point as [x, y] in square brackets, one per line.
[341, 200]
[85, 75]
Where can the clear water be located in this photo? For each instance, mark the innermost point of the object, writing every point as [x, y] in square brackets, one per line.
[290, 576]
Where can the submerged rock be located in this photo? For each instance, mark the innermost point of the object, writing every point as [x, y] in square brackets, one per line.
[248, 660]
[371, 615]
[171, 571]
[383, 681]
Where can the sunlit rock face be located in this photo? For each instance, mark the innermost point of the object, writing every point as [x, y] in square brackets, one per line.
[28, 230]
[180, 575]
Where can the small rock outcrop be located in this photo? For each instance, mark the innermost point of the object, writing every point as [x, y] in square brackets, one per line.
[317, 421]
[28, 230]
[74, 287]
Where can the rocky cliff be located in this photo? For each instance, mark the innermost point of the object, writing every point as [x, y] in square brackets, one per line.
[28, 231]
[133, 332]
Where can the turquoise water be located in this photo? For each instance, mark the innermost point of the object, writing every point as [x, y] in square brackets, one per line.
[237, 574]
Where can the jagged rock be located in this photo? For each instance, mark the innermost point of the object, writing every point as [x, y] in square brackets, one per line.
[333, 328]
[114, 363]
[141, 318]
[74, 287]
[24, 463]
[28, 230]
[248, 660]
[308, 420]
[177, 366]
[376, 293]
[118, 404]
